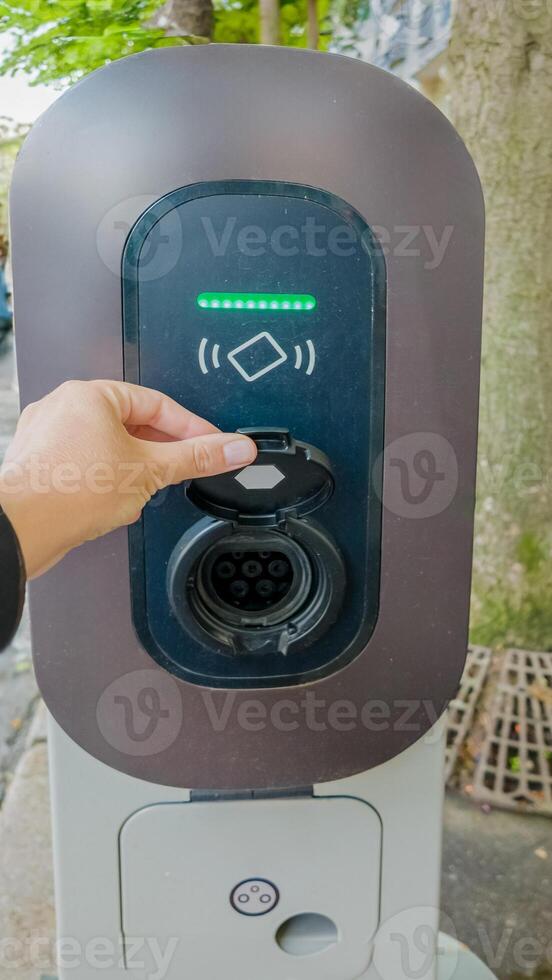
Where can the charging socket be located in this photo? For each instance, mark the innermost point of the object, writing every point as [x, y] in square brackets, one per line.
[257, 575]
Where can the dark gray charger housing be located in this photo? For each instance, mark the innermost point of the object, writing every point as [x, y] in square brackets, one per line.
[282, 129]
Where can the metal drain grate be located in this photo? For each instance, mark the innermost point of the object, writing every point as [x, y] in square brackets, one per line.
[461, 710]
[514, 768]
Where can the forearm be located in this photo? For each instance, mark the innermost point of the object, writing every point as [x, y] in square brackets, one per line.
[12, 581]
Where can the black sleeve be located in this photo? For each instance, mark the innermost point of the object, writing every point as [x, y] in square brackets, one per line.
[12, 581]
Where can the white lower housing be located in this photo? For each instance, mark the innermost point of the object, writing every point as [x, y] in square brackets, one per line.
[144, 877]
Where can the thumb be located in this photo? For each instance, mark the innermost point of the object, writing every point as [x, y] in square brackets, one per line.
[204, 455]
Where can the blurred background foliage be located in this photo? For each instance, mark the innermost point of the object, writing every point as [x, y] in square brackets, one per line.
[62, 40]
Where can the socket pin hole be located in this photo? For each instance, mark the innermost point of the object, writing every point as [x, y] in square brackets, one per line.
[226, 569]
[238, 589]
[278, 568]
[252, 580]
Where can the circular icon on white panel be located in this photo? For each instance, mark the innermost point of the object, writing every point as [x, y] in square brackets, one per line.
[255, 896]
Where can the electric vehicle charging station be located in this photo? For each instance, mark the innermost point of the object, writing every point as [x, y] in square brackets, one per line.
[246, 688]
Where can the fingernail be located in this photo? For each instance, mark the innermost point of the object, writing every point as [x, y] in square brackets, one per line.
[239, 451]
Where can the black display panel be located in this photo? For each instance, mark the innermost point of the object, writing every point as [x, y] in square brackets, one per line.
[202, 270]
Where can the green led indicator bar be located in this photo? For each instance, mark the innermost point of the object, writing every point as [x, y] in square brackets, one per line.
[256, 301]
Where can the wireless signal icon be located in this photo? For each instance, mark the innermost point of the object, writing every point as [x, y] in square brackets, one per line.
[310, 357]
[202, 355]
[256, 357]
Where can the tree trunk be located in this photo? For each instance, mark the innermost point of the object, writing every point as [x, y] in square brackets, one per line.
[500, 73]
[270, 21]
[312, 24]
[187, 17]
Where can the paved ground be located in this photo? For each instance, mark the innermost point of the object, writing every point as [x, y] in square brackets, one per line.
[497, 887]
[27, 918]
[18, 691]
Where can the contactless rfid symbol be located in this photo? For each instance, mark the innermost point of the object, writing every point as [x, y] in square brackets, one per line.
[256, 357]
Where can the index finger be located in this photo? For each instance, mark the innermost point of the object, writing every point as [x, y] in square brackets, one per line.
[138, 406]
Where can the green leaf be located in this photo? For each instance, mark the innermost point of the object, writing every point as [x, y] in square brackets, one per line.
[62, 40]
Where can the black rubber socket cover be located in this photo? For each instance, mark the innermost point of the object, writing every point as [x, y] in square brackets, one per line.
[299, 480]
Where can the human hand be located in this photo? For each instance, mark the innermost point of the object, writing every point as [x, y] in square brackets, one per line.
[88, 457]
